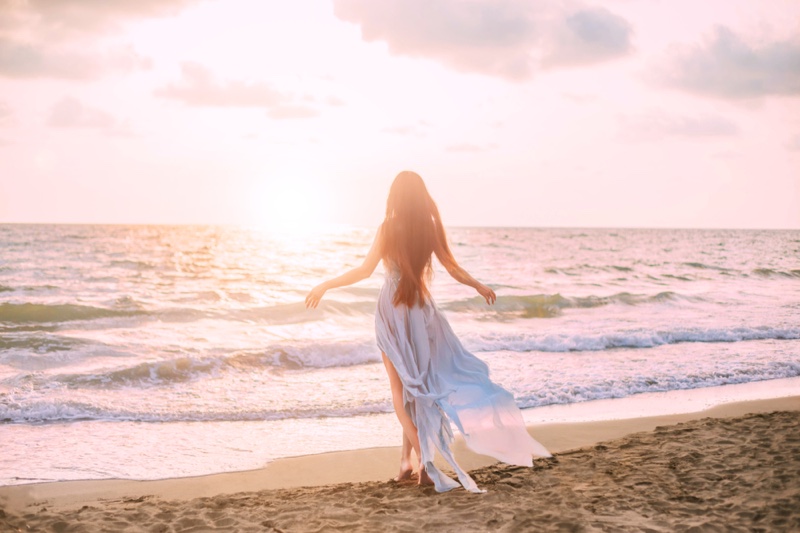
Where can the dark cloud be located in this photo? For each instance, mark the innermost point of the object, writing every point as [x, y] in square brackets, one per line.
[23, 60]
[589, 36]
[728, 67]
[71, 113]
[505, 38]
[657, 125]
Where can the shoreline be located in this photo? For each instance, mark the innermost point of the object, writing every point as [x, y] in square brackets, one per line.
[135, 451]
[672, 402]
[353, 466]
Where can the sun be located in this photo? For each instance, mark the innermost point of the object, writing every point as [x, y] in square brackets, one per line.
[288, 206]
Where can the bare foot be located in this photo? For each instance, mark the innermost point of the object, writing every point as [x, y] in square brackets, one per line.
[406, 471]
[424, 479]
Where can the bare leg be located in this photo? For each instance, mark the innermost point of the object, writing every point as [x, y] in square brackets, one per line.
[406, 468]
[409, 429]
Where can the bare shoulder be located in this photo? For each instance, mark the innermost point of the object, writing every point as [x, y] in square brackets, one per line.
[379, 233]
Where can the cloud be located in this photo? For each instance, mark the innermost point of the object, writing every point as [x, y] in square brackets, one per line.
[71, 113]
[794, 144]
[591, 35]
[469, 36]
[63, 39]
[62, 18]
[504, 38]
[726, 66]
[21, 60]
[654, 126]
[199, 88]
[335, 101]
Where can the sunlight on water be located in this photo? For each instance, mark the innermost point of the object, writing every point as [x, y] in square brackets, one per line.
[287, 207]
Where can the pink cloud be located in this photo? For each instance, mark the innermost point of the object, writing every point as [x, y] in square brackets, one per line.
[198, 87]
[71, 113]
[658, 125]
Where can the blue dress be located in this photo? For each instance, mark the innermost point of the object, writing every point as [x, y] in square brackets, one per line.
[444, 383]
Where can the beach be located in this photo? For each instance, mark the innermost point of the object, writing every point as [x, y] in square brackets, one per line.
[730, 468]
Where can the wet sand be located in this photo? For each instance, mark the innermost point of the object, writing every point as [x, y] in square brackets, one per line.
[719, 470]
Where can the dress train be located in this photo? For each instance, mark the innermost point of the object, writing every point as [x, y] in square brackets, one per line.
[444, 383]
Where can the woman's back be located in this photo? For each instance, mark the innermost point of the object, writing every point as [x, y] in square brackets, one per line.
[410, 234]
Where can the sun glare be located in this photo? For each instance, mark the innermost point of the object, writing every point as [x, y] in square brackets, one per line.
[292, 207]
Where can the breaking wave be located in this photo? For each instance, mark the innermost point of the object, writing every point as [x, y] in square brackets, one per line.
[551, 305]
[41, 313]
[529, 342]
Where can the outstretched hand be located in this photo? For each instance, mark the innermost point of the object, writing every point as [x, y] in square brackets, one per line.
[487, 293]
[314, 296]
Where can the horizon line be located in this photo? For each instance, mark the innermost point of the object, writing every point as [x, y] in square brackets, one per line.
[361, 226]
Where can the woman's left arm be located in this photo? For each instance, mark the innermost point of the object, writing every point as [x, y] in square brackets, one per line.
[354, 275]
[449, 262]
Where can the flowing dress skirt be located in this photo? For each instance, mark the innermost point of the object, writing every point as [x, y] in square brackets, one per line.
[444, 383]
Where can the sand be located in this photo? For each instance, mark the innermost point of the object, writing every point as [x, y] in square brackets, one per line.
[720, 470]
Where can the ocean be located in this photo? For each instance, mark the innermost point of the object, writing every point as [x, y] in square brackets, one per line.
[159, 351]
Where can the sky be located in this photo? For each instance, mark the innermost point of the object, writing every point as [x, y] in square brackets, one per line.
[299, 114]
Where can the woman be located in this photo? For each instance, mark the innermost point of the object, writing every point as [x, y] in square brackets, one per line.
[434, 380]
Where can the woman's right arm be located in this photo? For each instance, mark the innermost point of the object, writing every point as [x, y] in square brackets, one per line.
[353, 275]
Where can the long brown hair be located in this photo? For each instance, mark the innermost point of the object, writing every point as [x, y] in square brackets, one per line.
[412, 232]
